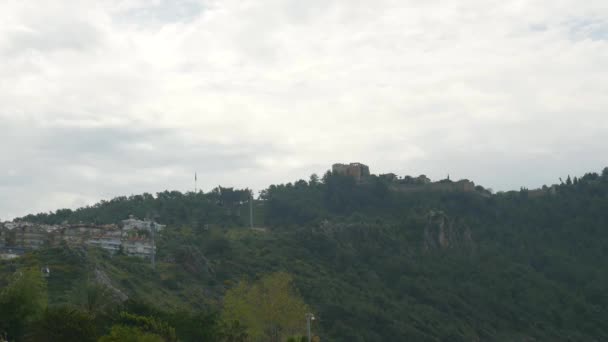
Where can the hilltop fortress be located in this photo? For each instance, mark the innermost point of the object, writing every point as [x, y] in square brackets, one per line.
[357, 170]
[362, 175]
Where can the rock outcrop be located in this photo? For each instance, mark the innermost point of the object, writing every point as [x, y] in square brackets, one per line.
[102, 278]
[442, 233]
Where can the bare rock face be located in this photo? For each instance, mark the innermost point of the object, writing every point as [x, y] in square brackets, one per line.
[102, 278]
[194, 261]
[442, 233]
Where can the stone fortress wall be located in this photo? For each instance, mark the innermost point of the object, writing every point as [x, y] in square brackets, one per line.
[361, 173]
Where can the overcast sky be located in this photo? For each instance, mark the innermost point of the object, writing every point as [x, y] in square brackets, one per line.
[119, 97]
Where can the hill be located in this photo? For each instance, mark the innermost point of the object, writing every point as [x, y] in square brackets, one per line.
[372, 263]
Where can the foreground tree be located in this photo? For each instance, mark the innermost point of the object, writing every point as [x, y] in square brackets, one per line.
[121, 333]
[22, 301]
[94, 298]
[270, 308]
[64, 324]
[143, 327]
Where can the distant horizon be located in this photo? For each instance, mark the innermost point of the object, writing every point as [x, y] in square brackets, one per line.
[257, 191]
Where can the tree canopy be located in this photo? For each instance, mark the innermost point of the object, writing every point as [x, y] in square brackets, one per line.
[269, 308]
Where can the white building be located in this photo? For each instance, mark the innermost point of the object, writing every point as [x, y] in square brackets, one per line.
[134, 237]
[138, 247]
[110, 244]
[135, 224]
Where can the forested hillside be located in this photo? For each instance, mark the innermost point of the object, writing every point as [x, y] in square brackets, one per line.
[371, 263]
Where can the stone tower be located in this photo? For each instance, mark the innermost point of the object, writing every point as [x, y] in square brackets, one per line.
[356, 170]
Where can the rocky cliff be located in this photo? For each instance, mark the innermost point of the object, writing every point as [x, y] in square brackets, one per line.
[441, 232]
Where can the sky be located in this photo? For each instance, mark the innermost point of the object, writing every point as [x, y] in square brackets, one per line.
[116, 97]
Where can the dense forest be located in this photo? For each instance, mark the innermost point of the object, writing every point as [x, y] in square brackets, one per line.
[371, 263]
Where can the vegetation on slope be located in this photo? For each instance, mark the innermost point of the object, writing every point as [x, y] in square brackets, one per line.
[532, 266]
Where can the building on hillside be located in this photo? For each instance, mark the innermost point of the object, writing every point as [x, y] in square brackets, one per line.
[8, 234]
[8, 253]
[11, 225]
[108, 243]
[110, 239]
[3, 235]
[464, 185]
[8, 256]
[76, 235]
[356, 170]
[135, 224]
[133, 236]
[30, 236]
[138, 247]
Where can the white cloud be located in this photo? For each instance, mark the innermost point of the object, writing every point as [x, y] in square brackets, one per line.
[99, 99]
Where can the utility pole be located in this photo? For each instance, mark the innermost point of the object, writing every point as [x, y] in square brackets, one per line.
[251, 210]
[309, 317]
[152, 229]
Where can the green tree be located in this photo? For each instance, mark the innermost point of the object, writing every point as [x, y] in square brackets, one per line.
[196, 326]
[64, 324]
[94, 298]
[270, 308]
[314, 180]
[121, 333]
[22, 302]
[234, 331]
[149, 325]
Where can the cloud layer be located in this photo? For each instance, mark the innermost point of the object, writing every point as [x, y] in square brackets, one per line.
[106, 98]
